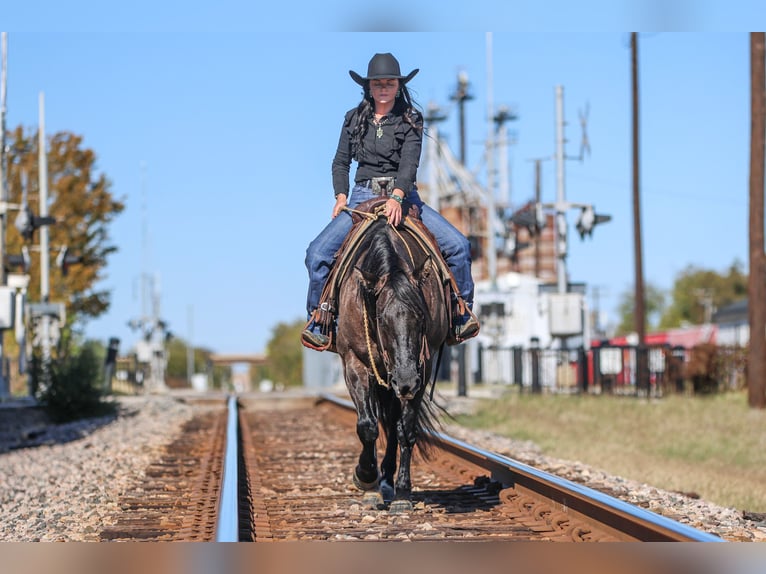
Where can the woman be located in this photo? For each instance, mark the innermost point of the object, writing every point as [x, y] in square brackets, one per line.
[384, 135]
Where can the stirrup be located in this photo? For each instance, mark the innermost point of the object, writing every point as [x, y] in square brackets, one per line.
[463, 331]
[315, 341]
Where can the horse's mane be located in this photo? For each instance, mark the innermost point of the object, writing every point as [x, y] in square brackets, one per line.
[382, 259]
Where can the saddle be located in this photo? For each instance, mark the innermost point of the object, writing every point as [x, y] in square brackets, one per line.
[363, 216]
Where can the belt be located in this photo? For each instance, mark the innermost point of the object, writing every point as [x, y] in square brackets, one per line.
[375, 184]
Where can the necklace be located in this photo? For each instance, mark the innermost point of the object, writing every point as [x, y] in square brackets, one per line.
[379, 123]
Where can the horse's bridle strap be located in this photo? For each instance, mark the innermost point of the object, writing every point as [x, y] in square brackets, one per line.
[378, 378]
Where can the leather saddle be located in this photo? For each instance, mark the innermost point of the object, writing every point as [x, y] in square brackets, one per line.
[363, 216]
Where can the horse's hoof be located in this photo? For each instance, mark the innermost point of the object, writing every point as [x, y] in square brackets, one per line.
[400, 507]
[387, 490]
[362, 485]
[373, 500]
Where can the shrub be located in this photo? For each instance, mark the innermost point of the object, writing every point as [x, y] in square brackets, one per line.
[72, 389]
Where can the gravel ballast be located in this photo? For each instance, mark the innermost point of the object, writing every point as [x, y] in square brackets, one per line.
[63, 482]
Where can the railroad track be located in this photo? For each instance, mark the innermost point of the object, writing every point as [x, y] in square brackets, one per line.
[287, 477]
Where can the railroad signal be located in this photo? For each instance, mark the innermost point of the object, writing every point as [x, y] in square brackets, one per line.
[19, 259]
[64, 260]
[527, 218]
[588, 220]
[27, 222]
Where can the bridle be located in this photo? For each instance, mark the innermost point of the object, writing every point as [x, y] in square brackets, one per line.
[425, 353]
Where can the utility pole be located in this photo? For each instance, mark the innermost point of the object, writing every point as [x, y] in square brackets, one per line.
[460, 96]
[561, 206]
[503, 116]
[3, 173]
[756, 284]
[490, 233]
[44, 245]
[538, 198]
[150, 349]
[642, 372]
[432, 118]
[566, 309]
[4, 383]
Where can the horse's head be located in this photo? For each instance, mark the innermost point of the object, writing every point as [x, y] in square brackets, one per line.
[397, 315]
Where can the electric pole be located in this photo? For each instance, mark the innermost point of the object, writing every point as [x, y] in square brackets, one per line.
[490, 233]
[45, 321]
[642, 371]
[4, 384]
[561, 207]
[538, 198]
[461, 95]
[756, 285]
[3, 174]
[433, 116]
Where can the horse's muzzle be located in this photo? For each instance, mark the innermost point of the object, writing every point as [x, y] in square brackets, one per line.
[406, 390]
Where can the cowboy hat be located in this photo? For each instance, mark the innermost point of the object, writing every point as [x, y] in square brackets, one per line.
[383, 66]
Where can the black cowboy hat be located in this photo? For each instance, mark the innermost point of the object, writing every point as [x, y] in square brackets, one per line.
[383, 66]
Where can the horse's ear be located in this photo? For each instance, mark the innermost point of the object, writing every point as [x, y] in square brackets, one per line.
[368, 280]
[422, 272]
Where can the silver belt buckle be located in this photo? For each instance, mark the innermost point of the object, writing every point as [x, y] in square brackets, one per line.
[382, 185]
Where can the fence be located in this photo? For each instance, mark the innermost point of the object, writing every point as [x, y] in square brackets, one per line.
[613, 369]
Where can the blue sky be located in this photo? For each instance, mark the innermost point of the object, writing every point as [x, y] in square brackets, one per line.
[237, 129]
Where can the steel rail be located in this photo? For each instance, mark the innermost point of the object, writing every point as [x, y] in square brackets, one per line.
[638, 523]
[227, 527]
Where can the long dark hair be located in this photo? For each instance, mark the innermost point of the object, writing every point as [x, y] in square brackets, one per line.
[404, 106]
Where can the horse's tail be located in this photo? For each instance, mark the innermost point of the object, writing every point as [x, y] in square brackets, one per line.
[428, 423]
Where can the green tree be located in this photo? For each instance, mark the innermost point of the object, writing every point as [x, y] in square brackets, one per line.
[698, 292]
[285, 355]
[81, 201]
[177, 349]
[219, 376]
[654, 304]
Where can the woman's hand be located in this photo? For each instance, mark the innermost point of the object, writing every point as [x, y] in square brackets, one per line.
[340, 202]
[393, 210]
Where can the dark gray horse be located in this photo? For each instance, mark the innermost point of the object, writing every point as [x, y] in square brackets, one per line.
[392, 323]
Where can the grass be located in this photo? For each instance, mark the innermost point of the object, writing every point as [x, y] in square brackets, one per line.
[714, 446]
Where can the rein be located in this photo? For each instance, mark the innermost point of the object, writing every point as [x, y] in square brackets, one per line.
[378, 378]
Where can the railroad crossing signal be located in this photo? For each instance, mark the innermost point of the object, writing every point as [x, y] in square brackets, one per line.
[64, 260]
[27, 222]
[588, 220]
[18, 259]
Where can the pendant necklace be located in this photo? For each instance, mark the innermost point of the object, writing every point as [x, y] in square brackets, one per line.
[379, 123]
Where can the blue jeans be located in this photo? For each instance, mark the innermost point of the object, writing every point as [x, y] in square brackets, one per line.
[320, 254]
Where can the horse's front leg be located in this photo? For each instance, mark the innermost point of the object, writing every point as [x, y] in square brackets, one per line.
[366, 471]
[365, 474]
[406, 430]
[388, 466]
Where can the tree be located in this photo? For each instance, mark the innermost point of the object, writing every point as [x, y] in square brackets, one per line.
[81, 202]
[654, 305]
[285, 354]
[698, 292]
[177, 367]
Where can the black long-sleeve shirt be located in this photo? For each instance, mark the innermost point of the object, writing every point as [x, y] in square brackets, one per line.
[395, 154]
